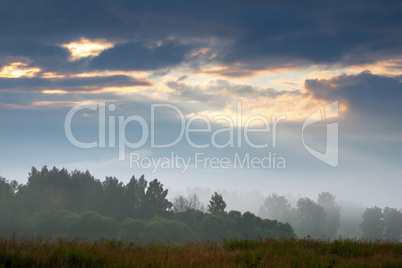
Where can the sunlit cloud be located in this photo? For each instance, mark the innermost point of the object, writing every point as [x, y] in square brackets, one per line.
[285, 82]
[141, 90]
[292, 108]
[206, 98]
[320, 74]
[59, 104]
[86, 48]
[18, 69]
[235, 70]
[386, 67]
[52, 75]
[55, 91]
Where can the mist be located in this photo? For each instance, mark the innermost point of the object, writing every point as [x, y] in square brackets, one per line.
[56, 203]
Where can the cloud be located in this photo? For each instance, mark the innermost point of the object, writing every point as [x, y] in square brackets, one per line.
[257, 35]
[85, 84]
[222, 97]
[284, 34]
[49, 57]
[18, 69]
[86, 48]
[209, 90]
[136, 56]
[364, 93]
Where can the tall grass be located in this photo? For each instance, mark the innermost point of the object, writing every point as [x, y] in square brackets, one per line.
[228, 253]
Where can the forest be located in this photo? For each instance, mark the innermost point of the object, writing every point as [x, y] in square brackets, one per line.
[58, 204]
[55, 203]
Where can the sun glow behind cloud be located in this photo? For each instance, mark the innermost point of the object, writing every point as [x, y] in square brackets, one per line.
[195, 88]
[17, 70]
[55, 91]
[386, 67]
[86, 48]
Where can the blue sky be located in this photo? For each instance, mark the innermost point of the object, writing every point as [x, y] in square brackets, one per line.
[211, 60]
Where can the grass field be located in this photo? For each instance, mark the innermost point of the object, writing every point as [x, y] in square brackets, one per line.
[230, 253]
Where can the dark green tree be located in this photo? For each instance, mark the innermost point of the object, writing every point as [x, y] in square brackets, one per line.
[113, 195]
[215, 227]
[134, 197]
[156, 200]
[280, 231]
[43, 190]
[132, 229]
[84, 192]
[8, 207]
[216, 204]
[164, 230]
[91, 225]
[251, 226]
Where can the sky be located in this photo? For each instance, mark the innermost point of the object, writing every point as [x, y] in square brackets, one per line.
[287, 97]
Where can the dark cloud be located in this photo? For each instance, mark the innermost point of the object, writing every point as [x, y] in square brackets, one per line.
[373, 94]
[69, 84]
[319, 32]
[257, 34]
[136, 56]
[49, 57]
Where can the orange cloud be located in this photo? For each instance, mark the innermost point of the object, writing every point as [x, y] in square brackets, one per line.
[54, 91]
[18, 69]
[387, 67]
[86, 48]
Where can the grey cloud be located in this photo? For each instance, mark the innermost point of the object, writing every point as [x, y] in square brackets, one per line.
[318, 32]
[261, 34]
[217, 93]
[70, 84]
[135, 56]
[364, 92]
[273, 93]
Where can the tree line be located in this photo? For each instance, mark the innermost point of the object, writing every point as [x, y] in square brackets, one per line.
[322, 219]
[55, 203]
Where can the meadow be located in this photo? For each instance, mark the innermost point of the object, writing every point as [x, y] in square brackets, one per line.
[227, 253]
